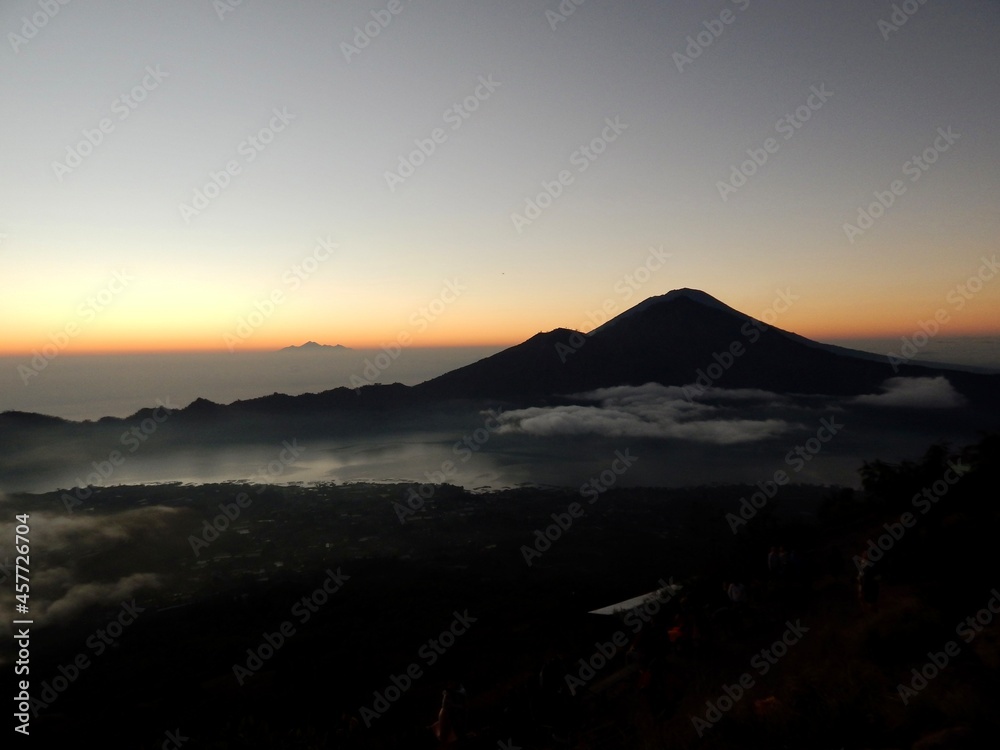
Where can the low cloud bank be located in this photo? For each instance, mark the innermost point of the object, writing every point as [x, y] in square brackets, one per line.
[920, 393]
[650, 411]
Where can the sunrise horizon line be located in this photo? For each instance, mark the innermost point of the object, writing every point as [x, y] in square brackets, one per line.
[276, 348]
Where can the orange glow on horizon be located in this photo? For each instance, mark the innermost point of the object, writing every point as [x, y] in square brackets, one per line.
[860, 322]
[254, 344]
[177, 346]
[823, 322]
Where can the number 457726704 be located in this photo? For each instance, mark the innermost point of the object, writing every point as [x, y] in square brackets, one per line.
[22, 546]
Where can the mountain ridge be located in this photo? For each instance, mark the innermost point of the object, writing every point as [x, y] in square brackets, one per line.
[312, 346]
[680, 338]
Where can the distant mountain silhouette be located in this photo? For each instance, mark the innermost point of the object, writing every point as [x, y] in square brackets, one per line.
[312, 346]
[685, 336]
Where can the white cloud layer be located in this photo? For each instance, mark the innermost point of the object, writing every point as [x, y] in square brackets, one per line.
[60, 590]
[649, 410]
[921, 393]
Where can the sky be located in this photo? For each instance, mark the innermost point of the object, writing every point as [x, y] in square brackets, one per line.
[200, 175]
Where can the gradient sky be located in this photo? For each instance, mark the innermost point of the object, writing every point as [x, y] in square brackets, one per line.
[65, 234]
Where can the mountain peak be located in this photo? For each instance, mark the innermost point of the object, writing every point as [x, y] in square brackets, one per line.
[695, 295]
[312, 346]
[692, 295]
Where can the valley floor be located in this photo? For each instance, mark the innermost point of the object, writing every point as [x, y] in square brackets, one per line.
[324, 617]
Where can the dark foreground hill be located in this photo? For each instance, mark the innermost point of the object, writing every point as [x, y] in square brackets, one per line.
[802, 664]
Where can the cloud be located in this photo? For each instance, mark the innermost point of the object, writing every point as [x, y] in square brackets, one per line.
[649, 410]
[58, 532]
[78, 598]
[63, 587]
[921, 393]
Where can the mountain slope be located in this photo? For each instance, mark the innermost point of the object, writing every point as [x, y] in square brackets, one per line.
[679, 338]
